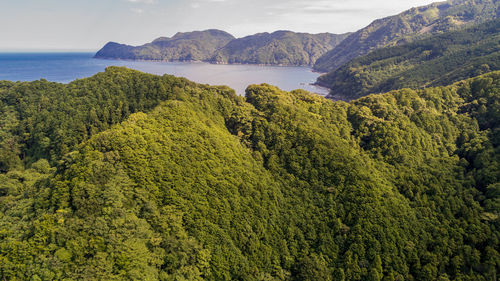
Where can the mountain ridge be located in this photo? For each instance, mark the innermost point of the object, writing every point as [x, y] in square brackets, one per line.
[281, 47]
[407, 26]
[127, 175]
[438, 60]
[183, 46]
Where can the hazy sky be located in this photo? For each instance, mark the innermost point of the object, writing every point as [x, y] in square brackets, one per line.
[89, 24]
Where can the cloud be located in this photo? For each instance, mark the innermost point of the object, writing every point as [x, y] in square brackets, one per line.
[298, 7]
[199, 3]
[143, 1]
[351, 7]
[322, 10]
[137, 11]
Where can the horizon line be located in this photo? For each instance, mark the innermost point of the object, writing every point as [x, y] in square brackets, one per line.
[46, 50]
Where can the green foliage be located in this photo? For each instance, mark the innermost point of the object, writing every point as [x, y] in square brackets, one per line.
[439, 60]
[47, 120]
[196, 183]
[416, 23]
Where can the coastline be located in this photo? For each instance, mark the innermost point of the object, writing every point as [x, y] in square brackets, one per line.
[66, 67]
[322, 90]
[210, 62]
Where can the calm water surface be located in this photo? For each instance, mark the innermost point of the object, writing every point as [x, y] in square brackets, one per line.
[66, 67]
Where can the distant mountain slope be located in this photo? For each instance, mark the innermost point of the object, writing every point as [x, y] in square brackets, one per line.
[410, 25]
[189, 46]
[435, 61]
[278, 48]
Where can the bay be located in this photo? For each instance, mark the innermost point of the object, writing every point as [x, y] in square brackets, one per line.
[66, 67]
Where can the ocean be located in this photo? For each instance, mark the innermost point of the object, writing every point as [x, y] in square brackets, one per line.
[66, 67]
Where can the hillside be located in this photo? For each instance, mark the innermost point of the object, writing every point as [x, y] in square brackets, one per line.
[278, 48]
[408, 26]
[439, 60]
[127, 175]
[189, 46]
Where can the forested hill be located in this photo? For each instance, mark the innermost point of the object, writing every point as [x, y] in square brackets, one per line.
[188, 46]
[439, 60]
[277, 48]
[127, 175]
[408, 26]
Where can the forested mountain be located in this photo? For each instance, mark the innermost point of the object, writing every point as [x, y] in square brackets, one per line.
[408, 26]
[189, 46]
[127, 175]
[439, 60]
[278, 48]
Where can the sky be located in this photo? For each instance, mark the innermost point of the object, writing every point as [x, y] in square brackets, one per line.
[89, 24]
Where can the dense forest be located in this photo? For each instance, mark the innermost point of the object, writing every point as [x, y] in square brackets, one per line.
[131, 176]
[217, 46]
[413, 24]
[436, 61]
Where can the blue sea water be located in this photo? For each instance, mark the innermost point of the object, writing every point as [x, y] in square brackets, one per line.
[66, 67]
